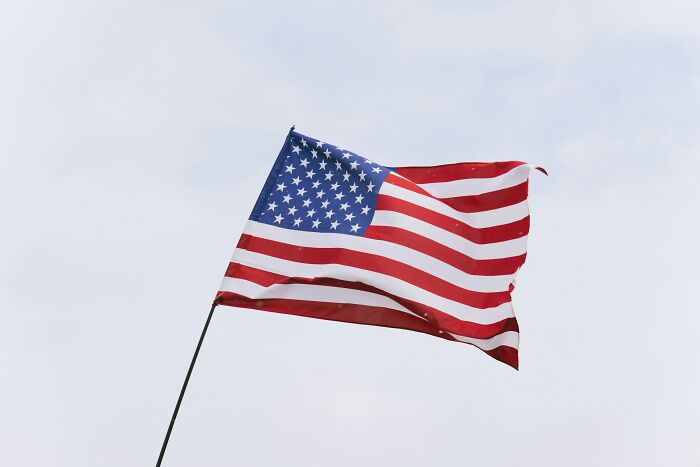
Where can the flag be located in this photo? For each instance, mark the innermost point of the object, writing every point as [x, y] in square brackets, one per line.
[434, 249]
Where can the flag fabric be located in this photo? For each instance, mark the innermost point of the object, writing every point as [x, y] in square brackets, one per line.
[336, 236]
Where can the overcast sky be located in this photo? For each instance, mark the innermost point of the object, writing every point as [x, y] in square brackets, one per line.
[134, 139]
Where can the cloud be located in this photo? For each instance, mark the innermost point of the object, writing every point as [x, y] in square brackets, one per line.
[136, 137]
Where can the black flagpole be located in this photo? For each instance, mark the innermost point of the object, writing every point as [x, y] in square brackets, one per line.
[184, 386]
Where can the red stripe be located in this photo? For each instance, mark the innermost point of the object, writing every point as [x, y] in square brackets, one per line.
[358, 314]
[376, 263]
[495, 234]
[505, 354]
[488, 201]
[259, 276]
[347, 312]
[438, 318]
[459, 171]
[472, 203]
[480, 267]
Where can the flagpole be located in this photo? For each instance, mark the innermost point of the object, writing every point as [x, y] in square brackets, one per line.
[184, 386]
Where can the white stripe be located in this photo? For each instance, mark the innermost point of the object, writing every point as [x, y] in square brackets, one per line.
[316, 293]
[329, 294]
[505, 249]
[479, 220]
[385, 249]
[477, 186]
[381, 281]
[509, 338]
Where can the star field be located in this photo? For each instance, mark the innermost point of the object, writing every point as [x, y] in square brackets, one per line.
[315, 186]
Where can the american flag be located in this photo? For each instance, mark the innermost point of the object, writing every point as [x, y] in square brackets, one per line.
[336, 236]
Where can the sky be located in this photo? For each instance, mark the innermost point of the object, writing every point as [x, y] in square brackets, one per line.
[134, 139]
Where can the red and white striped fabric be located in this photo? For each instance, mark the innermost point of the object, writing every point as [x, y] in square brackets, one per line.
[438, 253]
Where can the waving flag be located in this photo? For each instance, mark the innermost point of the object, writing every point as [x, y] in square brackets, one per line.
[337, 236]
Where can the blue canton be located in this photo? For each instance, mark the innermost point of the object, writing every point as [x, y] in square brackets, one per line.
[317, 187]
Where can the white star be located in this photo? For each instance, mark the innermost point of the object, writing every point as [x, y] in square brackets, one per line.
[314, 154]
[301, 191]
[355, 228]
[370, 186]
[304, 162]
[278, 218]
[310, 174]
[362, 176]
[344, 206]
[272, 206]
[325, 204]
[311, 213]
[287, 198]
[338, 165]
[335, 186]
[319, 144]
[346, 177]
[281, 186]
[349, 217]
[376, 170]
[334, 225]
[290, 168]
[359, 198]
[329, 214]
[339, 196]
[327, 153]
[319, 194]
[367, 161]
[306, 203]
[316, 184]
[346, 155]
[303, 141]
[323, 165]
[353, 187]
[354, 165]
[292, 211]
[297, 222]
[365, 210]
[296, 149]
[296, 181]
[329, 175]
[316, 223]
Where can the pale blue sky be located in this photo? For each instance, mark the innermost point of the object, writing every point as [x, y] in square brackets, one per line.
[135, 137]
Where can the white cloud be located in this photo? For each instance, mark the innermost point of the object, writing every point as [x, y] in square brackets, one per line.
[135, 137]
